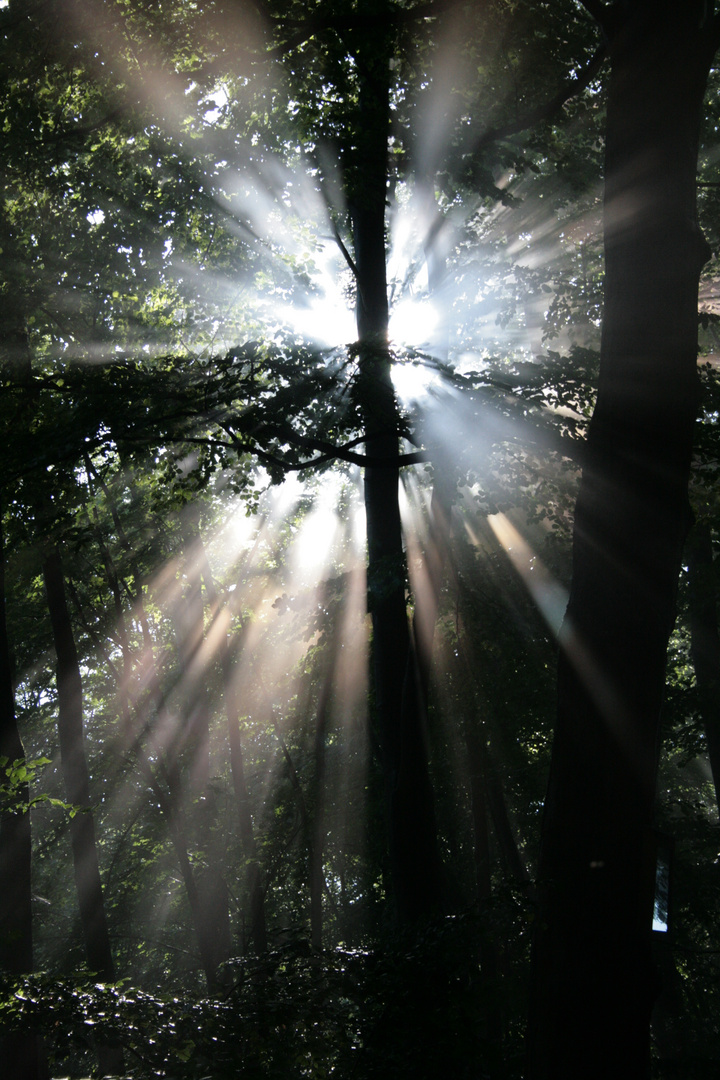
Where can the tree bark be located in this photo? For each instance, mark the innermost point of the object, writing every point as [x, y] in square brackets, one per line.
[594, 982]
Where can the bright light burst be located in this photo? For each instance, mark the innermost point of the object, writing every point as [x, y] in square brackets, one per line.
[283, 218]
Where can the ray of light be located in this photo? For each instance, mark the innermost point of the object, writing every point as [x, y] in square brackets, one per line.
[551, 600]
[550, 597]
[312, 551]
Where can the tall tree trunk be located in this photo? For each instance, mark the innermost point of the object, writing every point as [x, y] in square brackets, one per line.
[593, 981]
[414, 855]
[317, 825]
[77, 787]
[20, 1053]
[76, 776]
[705, 641]
[254, 886]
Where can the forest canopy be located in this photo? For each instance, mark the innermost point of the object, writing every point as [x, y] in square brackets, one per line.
[359, 656]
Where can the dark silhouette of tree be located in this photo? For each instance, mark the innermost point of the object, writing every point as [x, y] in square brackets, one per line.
[594, 979]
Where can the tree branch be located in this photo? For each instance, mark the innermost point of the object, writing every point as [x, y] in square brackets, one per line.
[339, 241]
[330, 452]
[544, 112]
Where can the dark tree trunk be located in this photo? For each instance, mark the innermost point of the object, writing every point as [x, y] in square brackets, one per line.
[414, 856]
[594, 982]
[317, 826]
[75, 774]
[705, 641]
[20, 1053]
[255, 889]
[77, 787]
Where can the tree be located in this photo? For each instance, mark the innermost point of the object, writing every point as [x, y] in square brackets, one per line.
[184, 175]
[21, 1052]
[593, 972]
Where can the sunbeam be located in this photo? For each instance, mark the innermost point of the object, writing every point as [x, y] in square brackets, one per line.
[548, 594]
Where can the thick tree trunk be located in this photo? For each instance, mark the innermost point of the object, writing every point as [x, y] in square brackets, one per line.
[594, 981]
[414, 856]
[20, 1053]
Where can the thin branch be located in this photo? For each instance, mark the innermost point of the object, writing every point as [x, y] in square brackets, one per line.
[87, 129]
[339, 241]
[544, 112]
[333, 453]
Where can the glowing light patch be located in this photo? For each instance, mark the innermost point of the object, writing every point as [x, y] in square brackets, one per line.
[325, 322]
[316, 539]
[412, 382]
[234, 536]
[313, 548]
[413, 322]
[218, 101]
[285, 496]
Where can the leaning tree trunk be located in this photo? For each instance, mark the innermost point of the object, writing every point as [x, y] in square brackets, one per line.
[19, 1053]
[413, 849]
[594, 982]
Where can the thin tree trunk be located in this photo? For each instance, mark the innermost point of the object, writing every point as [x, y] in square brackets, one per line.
[207, 900]
[414, 855]
[317, 841]
[77, 787]
[489, 965]
[188, 617]
[20, 1053]
[594, 982]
